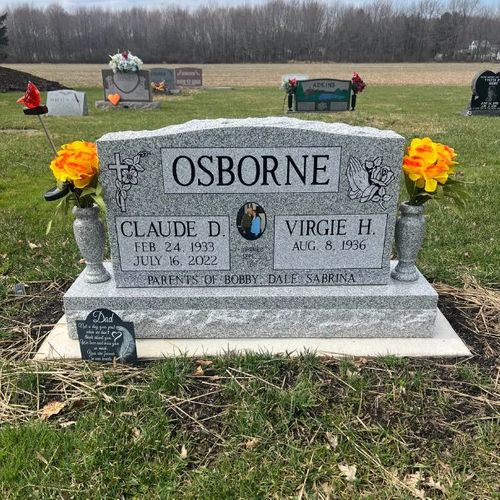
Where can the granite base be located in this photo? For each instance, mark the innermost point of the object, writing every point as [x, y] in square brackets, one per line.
[444, 342]
[366, 311]
[482, 112]
[128, 105]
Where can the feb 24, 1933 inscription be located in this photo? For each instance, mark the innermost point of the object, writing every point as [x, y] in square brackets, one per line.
[309, 210]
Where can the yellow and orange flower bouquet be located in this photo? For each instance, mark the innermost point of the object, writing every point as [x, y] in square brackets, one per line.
[76, 169]
[429, 169]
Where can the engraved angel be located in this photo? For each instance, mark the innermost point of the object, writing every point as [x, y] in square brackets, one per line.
[368, 182]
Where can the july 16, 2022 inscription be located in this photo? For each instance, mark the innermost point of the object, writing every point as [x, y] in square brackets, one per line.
[258, 202]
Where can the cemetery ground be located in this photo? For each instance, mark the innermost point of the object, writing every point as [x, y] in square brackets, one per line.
[252, 426]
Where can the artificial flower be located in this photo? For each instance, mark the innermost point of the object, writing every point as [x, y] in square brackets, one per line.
[358, 85]
[31, 98]
[77, 163]
[428, 165]
[125, 61]
[289, 86]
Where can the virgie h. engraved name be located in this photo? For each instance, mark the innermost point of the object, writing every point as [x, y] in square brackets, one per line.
[329, 242]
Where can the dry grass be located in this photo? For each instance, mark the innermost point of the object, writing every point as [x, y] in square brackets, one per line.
[253, 75]
[474, 311]
[244, 426]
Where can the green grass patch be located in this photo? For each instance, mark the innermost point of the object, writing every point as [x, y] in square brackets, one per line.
[455, 248]
[248, 426]
[252, 427]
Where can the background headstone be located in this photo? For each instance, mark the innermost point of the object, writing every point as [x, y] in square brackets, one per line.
[188, 77]
[67, 103]
[323, 95]
[133, 86]
[485, 94]
[163, 75]
[104, 337]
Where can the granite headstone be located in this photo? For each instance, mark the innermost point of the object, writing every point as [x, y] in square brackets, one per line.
[485, 98]
[163, 75]
[328, 193]
[131, 86]
[67, 103]
[271, 227]
[188, 77]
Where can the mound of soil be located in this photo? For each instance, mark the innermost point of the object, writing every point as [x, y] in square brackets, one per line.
[10, 79]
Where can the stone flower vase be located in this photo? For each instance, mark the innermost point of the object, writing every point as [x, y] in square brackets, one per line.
[410, 230]
[290, 102]
[89, 236]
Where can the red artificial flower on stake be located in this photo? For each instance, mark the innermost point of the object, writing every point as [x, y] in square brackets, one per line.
[358, 85]
[33, 106]
[31, 98]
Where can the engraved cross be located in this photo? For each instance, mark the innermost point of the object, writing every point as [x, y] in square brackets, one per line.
[118, 166]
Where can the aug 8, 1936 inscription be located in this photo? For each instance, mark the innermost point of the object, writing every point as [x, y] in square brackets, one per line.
[257, 202]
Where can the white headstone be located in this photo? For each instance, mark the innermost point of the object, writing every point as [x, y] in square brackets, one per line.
[66, 103]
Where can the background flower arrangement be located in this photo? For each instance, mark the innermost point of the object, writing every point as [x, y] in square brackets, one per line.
[126, 62]
[289, 86]
[358, 85]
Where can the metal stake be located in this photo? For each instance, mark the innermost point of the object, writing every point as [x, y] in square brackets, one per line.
[47, 134]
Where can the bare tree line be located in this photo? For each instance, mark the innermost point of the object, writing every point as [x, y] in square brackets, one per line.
[278, 31]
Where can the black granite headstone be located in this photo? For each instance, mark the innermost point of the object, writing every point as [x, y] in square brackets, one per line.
[485, 94]
[104, 337]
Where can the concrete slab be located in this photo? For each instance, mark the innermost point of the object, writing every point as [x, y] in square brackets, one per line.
[129, 105]
[444, 343]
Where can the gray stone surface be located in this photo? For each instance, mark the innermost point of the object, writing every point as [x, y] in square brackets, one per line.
[67, 103]
[132, 86]
[166, 75]
[89, 236]
[395, 310]
[128, 105]
[444, 342]
[188, 77]
[327, 203]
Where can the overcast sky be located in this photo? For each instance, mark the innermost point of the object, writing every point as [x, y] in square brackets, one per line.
[120, 4]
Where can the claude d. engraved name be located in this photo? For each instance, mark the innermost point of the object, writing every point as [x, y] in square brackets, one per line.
[251, 170]
[187, 243]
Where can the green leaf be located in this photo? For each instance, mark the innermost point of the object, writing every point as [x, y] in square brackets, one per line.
[410, 186]
[99, 201]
